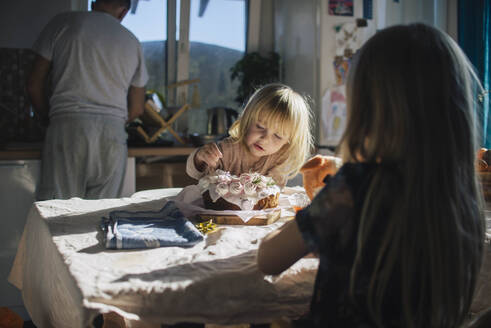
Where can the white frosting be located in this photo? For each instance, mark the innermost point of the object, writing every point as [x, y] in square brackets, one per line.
[244, 191]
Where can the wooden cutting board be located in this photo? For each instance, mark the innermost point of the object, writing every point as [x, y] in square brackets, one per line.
[235, 220]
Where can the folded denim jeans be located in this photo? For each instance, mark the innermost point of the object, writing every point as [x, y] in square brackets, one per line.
[149, 229]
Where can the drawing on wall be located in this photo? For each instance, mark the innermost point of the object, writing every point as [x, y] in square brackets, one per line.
[347, 39]
[346, 36]
[333, 120]
[341, 66]
[341, 7]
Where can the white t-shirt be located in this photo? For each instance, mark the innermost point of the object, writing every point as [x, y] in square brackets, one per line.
[94, 61]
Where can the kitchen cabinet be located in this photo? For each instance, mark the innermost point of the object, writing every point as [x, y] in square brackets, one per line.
[17, 193]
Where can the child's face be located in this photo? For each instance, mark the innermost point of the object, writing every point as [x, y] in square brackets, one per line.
[263, 140]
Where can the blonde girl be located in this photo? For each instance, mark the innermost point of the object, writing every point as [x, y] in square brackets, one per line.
[271, 136]
[399, 229]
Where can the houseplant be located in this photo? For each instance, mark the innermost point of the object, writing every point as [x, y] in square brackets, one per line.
[254, 70]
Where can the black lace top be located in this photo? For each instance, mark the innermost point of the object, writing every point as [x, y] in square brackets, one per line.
[329, 227]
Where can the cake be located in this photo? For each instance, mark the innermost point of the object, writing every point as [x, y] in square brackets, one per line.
[249, 191]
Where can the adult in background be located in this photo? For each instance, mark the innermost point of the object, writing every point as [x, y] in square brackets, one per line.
[93, 70]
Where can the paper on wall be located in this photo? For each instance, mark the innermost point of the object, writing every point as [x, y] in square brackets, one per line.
[333, 116]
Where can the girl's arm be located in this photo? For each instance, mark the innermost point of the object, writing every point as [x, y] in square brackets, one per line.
[207, 156]
[191, 169]
[281, 249]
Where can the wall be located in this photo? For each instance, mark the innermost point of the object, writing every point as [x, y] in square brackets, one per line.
[433, 12]
[440, 13]
[327, 51]
[21, 20]
[452, 20]
[20, 23]
[328, 44]
[295, 27]
[260, 27]
[305, 40]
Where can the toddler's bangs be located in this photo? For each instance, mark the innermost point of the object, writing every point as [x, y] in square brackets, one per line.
[279, 118]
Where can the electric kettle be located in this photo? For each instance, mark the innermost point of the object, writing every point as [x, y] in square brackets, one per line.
[220, 119]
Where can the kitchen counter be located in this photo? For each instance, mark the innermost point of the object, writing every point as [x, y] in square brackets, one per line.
[33, 151]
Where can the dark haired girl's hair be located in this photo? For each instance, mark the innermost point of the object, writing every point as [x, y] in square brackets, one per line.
[411, 103]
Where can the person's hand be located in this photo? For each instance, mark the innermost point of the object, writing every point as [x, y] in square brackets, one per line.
[208, 155]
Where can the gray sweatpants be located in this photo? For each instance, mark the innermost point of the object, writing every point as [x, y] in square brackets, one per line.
[84, 155]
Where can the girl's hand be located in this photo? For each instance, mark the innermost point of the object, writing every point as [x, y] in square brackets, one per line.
[208, 155]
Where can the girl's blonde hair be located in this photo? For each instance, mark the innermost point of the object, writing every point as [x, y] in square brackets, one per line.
[278, 105]
[411, 108]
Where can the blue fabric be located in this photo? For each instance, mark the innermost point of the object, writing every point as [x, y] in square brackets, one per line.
[147, 229]
[474, 36]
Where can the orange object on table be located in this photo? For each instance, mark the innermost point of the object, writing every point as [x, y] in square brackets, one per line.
[297, 208]
[483, 166]
[10, 319]
[315, 170]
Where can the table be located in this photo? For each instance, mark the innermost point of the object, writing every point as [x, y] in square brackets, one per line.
[482, 295]
[67, 277]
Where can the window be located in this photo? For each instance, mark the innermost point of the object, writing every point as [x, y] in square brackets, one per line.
[148, 23]
[217, 42]
[217, 33]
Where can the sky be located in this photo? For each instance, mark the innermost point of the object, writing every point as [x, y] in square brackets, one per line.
[222, 24]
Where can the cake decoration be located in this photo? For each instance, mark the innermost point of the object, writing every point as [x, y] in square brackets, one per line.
[222, 190]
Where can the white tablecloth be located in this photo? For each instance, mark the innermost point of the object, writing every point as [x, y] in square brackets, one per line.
[67, 276]
[482, 296]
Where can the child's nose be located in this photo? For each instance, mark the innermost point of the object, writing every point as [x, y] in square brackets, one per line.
[267, 138]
